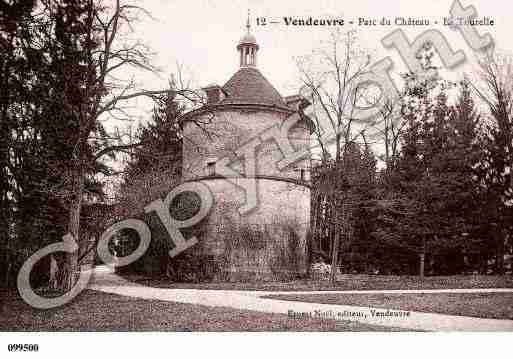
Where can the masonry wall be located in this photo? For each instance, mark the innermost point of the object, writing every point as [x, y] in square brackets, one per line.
[269, 242]
[225, 132]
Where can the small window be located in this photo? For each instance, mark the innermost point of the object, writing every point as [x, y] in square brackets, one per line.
[302, 174]
[211, 168]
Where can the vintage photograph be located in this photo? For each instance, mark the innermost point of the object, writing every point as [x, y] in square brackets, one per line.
[255, 166]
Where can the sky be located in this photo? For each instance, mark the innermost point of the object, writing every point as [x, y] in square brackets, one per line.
[203, 34]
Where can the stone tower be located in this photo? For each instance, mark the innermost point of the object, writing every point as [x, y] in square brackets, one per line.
[258, 227]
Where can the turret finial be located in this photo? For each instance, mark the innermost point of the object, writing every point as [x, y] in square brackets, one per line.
[248, 46]
[248, 25]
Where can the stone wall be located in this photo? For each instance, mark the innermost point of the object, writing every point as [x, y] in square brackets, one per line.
[279, 224]
[269, 242]
[225, 132]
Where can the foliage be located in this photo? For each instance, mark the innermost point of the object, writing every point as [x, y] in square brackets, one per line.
[320, 271]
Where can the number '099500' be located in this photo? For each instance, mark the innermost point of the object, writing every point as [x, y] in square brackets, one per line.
[23, 347]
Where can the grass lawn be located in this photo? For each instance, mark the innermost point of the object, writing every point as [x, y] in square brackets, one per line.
[97, 311]
[483, 305]
[350, 282]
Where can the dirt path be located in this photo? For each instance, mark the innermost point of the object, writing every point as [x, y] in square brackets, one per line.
[104, 280]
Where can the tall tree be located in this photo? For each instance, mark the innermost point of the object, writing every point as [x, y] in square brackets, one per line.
[496, 90]
[435, 180]
[330, 77]
[61, 64]
[160, 139]
[153, 169]
[96, 32]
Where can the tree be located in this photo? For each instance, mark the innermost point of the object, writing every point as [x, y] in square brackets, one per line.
[30, 216]
[434, 180]
[330, 78]
[393, 125]
[496, 90]
[61, 64]
[152, 170]
[160, 139]
[97, 35]
[10, 62]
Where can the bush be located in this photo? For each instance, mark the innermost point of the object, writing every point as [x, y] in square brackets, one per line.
[320, 271]
[190, 267]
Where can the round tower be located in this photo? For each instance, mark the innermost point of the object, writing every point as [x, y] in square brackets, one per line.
[258, 227]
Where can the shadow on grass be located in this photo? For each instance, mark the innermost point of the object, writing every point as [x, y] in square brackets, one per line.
[97, 311]
[481, 305]
[344, 282]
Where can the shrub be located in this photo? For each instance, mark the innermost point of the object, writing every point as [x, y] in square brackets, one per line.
[320, 271]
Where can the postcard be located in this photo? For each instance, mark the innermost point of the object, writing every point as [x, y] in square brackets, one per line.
[183, 169]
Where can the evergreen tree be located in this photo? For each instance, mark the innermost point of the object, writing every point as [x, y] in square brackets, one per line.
[154, 168]
[160, 140]
[434, 184]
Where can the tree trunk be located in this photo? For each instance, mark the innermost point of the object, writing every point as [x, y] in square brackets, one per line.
[314, 238]
[422, 260]
[8, 262]
[499, 261]
[54, 268]
[334, 255]
[338, 148]
[70, 269]
[8, 274]
[330, 222]
[340, 227]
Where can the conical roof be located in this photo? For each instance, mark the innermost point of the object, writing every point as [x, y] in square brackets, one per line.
[249, 86]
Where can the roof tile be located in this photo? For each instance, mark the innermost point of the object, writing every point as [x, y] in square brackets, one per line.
[249, 86]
